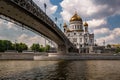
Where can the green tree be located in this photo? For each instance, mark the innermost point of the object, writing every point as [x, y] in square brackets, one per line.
[2, 46]
[117, 50]
[5, 45]
[47, 47]
[108, 46]
[41, 49]
[21, 47]
[35, 47]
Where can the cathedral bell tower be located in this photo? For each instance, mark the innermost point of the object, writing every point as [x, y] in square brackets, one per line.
[65, 27]
[86, 26]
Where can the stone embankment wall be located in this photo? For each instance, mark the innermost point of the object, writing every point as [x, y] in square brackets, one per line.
[55, 56]
[16, 56]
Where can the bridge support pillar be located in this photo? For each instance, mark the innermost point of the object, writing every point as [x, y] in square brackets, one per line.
[62, 49]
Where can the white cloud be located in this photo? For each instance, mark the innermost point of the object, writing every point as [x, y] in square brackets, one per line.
[95, 23]
[11, 26]
[1, 22]
[116, 31]
[83, 7]
[22, 37]
[51, 9]
[29, 40]
[112, 37]
[2, 38]
[66, 15]
[89, 8]
[101, 31]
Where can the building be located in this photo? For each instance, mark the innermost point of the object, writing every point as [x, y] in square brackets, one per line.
[115, 45]
[78, 34]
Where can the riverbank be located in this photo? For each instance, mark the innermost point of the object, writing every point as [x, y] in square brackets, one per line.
[53, 56]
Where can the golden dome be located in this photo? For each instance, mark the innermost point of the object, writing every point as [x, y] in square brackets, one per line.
[75, 17]
[69, 30]
[65, 25]
[86, 24]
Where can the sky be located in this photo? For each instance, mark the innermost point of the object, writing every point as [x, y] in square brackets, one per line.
[102, 16]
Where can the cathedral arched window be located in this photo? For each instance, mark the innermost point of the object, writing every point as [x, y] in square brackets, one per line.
[78, 26]
[75, 26]
[91, 40]
[74, 39]
[72, 27]
[68, 34]
[80, 45]
[86, 40]
[80, 39]
[80, 34]
[74, 33]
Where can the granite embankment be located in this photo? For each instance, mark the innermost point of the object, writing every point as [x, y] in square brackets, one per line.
[20, 56]
[53, 56]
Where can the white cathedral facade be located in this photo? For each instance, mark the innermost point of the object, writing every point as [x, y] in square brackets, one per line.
[78, 34]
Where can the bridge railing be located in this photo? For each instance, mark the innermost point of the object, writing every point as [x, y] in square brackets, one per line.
[33, 8]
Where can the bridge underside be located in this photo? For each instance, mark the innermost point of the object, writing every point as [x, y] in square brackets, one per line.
[26, 18]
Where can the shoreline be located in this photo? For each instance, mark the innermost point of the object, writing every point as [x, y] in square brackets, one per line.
[54, 56]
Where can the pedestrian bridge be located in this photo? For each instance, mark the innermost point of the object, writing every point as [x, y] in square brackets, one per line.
[27, 13]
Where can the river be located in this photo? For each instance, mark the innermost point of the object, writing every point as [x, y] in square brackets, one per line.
[60, 70]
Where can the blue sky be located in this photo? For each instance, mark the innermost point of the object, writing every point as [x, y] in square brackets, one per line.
[114, 21]
[103, 17]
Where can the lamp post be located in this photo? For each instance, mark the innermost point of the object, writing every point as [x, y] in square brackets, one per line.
[15, 45]
[103, 42]
[22, 27]
[104, 46]
[45, 7]
[61, 26]
[56, 20]
[7, 45]
[45, 42]
[95, 43]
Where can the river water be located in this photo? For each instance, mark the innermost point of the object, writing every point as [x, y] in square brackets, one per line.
[60, 70]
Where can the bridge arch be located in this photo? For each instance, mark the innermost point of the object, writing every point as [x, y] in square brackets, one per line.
[29, 14]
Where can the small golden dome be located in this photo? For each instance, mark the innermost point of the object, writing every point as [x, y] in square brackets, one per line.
[65, 25]
[69, 30]
[75, 17]
[86, 24]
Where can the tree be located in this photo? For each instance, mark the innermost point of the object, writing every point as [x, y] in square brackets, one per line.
[44, 49]
[96, 44]
[2, 46]
[47, 47]
[108, 46]
[21, 47]
[117, 50]
[35, 47]
[41, 49]
[5, 45]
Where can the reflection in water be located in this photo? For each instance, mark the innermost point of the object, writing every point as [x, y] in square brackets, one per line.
[60, 70]
[70, 70]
